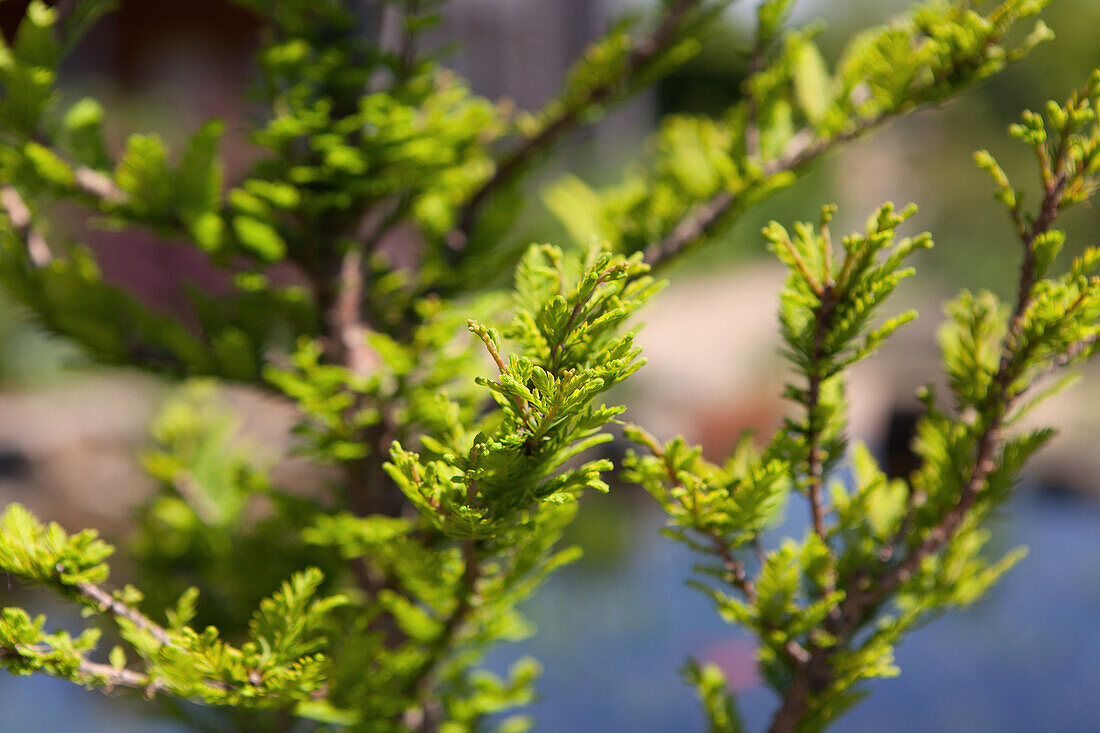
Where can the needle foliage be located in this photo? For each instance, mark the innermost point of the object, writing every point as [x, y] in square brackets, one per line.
[455, 420]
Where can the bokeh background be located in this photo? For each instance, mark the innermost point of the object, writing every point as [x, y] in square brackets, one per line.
[614, 628]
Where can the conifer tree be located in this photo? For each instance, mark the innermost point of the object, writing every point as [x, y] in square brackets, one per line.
[456, 415]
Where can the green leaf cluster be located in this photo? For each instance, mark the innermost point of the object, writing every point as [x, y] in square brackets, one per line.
[571, 350]
[276, 665]
[882, 555]
[455, 422]
[794, 107]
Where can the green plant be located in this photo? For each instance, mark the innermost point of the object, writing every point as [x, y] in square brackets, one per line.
[453, 487]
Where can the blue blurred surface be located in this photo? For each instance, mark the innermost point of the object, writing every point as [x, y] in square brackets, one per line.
[611, 639]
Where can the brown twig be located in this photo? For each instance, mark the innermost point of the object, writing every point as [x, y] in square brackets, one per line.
[491, 347]
[88, 671]
[23, 224]
[346, 330]
[700, 221]
[733, 566]
[109, 604]
[338, 284]
[801, 150]
[95, 185]
[794, 651]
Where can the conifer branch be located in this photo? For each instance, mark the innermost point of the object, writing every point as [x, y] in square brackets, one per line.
[1063, 360]
[23, 226]
[814, 451]
[733, 566]
[92, 673]
[644, 51]
[363, 138]
[346, 329]
[109, 676]
[998, 404]
[98, 188]
[865, 589]
[108, 603]
[802, 150]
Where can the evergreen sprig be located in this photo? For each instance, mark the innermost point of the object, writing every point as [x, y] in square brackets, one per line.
[705, 172]
[881, 554]
[449, 481]
[276, 667]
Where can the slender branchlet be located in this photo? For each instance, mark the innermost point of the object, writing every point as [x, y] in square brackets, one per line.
[861, 577]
